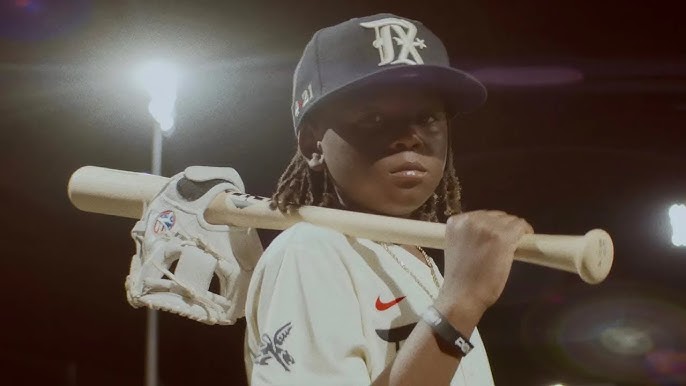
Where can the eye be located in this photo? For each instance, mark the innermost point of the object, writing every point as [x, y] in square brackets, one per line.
[427, 118]
[371, 121]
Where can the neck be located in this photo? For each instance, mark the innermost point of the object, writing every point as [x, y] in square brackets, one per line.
[348, 205]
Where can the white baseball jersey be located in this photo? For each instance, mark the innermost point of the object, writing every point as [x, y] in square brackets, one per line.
[327, 309]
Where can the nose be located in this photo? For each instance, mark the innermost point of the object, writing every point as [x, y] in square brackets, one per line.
[407, 139]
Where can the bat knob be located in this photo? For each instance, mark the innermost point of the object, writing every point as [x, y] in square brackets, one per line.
[595, 259]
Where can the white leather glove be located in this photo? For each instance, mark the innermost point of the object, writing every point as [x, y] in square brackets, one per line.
[173, 230]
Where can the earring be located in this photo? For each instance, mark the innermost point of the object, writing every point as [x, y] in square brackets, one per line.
[316, 163]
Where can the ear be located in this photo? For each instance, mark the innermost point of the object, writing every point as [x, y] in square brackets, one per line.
[308, 136]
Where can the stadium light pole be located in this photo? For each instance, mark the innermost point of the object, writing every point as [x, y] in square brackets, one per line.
[160, 81]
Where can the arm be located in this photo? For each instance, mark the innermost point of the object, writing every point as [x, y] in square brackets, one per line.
[425, 358]
[479, 255]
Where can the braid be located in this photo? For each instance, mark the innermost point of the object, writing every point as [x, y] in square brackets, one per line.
[453, 190]
[299, 185]
[328, 197]
[294, 179]
[306, 191]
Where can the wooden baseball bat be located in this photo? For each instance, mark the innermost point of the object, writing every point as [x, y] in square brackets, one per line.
[122, 193]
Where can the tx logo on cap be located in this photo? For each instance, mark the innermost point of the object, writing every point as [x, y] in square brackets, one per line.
[405, 32]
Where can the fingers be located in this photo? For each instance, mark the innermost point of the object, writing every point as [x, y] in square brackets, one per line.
[520, 225]
[492, 213]
[480, 248]
[502, 221]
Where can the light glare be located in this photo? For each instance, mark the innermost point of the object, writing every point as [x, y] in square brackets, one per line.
[160, 81]
[677, 216]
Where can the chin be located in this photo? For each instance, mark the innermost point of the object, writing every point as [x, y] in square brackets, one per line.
[392, 201]
[401, 213]
[401, 209]
[402, 200]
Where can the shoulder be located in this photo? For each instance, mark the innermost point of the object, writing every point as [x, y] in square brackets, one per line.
[306, 238]
[304, 259]
[304, 234]
[304, 241]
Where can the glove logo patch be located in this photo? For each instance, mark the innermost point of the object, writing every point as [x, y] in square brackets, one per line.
[165, 222]
[271, 348]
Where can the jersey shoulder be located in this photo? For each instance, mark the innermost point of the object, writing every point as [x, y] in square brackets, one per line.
[305, 240]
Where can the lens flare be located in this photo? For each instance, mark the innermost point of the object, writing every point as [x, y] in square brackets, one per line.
[528, 76]
[624, 333]
[36, 20]
[622, 337]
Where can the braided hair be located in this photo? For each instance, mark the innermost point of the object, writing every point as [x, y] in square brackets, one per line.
[299, 185]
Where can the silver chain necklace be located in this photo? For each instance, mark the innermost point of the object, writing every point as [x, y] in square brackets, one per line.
[402, 264]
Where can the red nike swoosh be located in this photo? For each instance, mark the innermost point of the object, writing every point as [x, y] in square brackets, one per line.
[381, 306]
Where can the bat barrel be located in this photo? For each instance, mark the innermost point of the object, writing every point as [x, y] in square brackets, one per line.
[596, 257]
[114, 192]
[590, 256]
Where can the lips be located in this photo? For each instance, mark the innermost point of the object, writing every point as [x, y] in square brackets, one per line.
[408, 174]
[408, 167]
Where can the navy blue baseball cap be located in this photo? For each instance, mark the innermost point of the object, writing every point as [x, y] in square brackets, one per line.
[374, 51]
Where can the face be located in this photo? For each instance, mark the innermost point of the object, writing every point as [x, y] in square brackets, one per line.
[385, 150]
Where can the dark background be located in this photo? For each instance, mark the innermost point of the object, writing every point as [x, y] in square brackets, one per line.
[585, 127]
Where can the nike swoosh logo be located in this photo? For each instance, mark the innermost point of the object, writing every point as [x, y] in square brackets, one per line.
[382, 306]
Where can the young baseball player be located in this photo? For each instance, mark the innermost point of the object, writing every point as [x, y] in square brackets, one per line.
[373, 100]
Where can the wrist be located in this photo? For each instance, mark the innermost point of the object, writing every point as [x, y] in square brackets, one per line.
[461, 311]
[457, 343]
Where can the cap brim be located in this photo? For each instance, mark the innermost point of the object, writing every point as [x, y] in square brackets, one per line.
[461, 91]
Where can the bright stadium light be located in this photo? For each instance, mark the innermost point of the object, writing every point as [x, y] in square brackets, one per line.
[677, 216]
[160, 80]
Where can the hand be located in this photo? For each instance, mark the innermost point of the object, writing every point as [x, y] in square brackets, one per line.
[478, 257]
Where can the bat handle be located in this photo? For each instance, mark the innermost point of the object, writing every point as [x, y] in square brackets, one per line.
[590, 255]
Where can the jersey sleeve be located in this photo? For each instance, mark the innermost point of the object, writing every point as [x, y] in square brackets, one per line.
[304, 322]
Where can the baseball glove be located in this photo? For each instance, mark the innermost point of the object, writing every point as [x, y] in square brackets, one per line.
[178, 253]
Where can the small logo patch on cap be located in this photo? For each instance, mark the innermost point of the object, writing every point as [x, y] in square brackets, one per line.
[305, 97]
